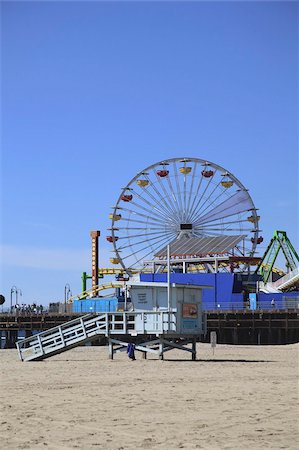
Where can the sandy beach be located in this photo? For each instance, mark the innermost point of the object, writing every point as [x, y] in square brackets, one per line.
[243, 397]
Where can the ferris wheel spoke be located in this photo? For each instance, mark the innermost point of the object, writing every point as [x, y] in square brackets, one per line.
[185, 194]
[144, 222]
[191, 190]
[220, 229]
[236, 204]
[222, 223]
[164, 239]
[178, 190]
[149, 212]
[194, 208]
[147, 217]
[137, 228]
[190, 210]
[142, 258]
[169, 206]
[146, 232]
[131, 236]
[163, 214]
[167, 195]
[136, 243]
[226, 223]
[211, 206]
[172, 193]
[167, 213]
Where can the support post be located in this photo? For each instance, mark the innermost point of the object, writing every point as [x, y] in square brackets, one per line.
[235, 336]
[259, 338]
[168, 286]
[194, 349]
[110, 349]
[84, 278]
[168, 277]
[161, 348]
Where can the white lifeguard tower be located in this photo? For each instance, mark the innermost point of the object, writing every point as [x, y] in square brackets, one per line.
[170, 313]
[155, 317]
[182, 307]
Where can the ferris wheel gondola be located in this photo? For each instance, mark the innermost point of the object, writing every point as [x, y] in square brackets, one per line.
[176, 197]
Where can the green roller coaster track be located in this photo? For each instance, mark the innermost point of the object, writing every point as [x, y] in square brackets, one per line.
[279, 241]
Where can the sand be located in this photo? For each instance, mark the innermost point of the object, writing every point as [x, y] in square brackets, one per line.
[243, 397]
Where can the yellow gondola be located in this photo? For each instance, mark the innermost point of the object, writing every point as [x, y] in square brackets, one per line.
[252, 218]
[227, 184]
[115, 217]
[114, 260]
[185, 170]
[142, 183]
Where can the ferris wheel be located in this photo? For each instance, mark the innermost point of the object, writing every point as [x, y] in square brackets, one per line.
[179, 197]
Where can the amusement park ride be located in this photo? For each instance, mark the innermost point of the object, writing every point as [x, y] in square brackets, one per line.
[202, 211]
[175, 225]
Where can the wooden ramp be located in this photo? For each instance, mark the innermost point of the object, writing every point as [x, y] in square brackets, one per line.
[71, 334]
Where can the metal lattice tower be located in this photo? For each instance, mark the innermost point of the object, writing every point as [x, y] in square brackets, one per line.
[279, 241]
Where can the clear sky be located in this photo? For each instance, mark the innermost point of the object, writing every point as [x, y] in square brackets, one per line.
[93, 92]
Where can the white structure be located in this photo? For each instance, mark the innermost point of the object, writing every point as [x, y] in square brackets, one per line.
[183, 304]
[162, 316]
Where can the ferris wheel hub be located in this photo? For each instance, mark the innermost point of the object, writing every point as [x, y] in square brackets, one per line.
[186, 226]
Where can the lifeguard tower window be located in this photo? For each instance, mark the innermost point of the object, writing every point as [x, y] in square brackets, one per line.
[190, 310]
[186, 226]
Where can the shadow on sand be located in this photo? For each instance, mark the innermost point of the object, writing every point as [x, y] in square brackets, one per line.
[221, 360]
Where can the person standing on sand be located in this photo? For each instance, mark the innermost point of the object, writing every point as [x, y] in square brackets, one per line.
[131, 351]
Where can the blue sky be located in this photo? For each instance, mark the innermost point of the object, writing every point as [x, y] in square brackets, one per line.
[93, 92]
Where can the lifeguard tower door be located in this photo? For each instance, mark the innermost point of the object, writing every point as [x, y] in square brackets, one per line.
[189, 302]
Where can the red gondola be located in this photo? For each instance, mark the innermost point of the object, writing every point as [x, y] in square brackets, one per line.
[207, 173]
[127, 198]
[162, 173]
[112, 239]
[258, 241]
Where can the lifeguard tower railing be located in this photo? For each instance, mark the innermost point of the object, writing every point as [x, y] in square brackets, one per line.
[90, 327]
